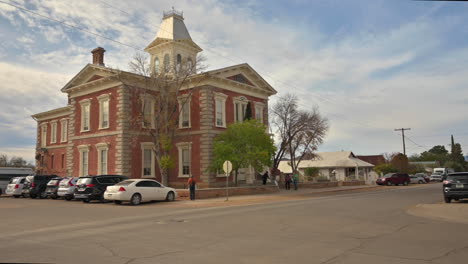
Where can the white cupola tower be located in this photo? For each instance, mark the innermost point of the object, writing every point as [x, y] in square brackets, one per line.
[173, 49]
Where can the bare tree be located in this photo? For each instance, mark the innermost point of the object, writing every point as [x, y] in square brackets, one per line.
[299, 132]
[170, 90]
[3, 160]
[388, 156]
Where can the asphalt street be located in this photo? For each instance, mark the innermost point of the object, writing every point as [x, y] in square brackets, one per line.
[362, 227]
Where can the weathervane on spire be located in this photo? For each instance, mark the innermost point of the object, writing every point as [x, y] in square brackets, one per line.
[173, 12]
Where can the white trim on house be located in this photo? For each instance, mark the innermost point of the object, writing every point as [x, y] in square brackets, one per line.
[259, 111]
[64, 130]
[220, 98]
[84, 160]
[100, 147]
[148, 147]
[184, 147]
[53, 131]
[185, 105]
[240, 105]
[104, 102]
[85, 115]
[147, 110]
[44, 135]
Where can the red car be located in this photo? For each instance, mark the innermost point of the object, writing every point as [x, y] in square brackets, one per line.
[394, 179]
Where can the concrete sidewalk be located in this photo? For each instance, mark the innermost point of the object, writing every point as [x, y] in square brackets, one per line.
[282, 195]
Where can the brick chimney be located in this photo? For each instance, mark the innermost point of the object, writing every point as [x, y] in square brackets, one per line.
[98, 56]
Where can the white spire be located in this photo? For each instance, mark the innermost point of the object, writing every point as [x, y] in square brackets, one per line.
[173, 26]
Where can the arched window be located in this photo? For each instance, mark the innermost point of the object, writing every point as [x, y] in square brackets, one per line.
[166, 63]
[189, 65]
[179, 62]
[156, 65]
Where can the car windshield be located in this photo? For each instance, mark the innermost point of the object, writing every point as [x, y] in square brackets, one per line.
[53, 182]
[124, 183]
[388, 175]
[84, 181]
[458, 177]
[64, 182]
[30, 179]
[15, 180]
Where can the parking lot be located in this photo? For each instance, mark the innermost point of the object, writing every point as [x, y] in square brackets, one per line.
[356, 226]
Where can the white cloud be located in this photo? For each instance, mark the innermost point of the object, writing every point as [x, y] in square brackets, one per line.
[338, 75]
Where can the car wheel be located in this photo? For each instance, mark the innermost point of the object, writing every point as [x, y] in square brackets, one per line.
[101, 199]
[54, 197]
[170, 197]
[420, 182]
[389, 183]
[447, 199]
[16, 196]
[117, 202]
[405, 183]
[33, 196]
[42, 195]
[85, 200]
[456, 199]
[68, 198]
[136, 199]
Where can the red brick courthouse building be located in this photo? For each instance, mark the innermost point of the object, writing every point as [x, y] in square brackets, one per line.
[92, 135]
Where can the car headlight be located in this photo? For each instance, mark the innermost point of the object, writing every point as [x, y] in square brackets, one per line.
[446, 189]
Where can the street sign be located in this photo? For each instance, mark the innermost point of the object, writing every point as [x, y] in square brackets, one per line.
[227, 167]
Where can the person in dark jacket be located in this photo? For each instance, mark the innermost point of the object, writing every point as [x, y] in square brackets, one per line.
[287, 181]
[191, 183]
[265, 177]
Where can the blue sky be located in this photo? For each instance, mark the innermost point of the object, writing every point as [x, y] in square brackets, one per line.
[369, 65]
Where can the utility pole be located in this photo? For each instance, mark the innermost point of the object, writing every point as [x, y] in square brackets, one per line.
[403, 136]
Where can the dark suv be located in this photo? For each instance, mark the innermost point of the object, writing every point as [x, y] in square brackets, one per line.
[394, 179]
[90, 188]
[455, 186]
[35, 185]
[52, 187]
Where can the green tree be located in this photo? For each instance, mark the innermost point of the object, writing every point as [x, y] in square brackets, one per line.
[244, 144]
[385, 168]
[311, 172]
[248, 112]
[456, 160]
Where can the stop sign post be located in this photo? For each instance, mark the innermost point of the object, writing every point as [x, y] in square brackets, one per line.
[227, 167]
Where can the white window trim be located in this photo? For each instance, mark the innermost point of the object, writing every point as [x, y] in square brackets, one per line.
[81, 149]
[223, 98]
[188, 100]
[242, 100]
[259, 107]
[103, 98]
[100, 147]
[152, 101]
[180, 147]
[148, 146]
[43, 135]
[53, 132]
[83, 103]
[64, 130]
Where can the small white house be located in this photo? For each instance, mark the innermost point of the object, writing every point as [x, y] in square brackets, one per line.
[339, 166]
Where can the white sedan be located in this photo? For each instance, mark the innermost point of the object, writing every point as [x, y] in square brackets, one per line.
[136, 191]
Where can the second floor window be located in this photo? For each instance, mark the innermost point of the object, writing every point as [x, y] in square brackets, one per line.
[53, 132]
[148, 113]
[103, 111]
[64, 131]
[85, 108]
[220, 109]
[44, 135]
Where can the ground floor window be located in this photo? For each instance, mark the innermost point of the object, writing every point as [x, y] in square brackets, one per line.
[84, 160]
[185, 162]
[148, 160]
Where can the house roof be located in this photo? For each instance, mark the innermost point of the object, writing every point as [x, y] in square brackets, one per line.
[372, 159]
[338, 159]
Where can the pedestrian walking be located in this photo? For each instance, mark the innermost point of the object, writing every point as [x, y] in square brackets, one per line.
[295, 180]
[265, 177]
[192, 183]
[287, 181]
